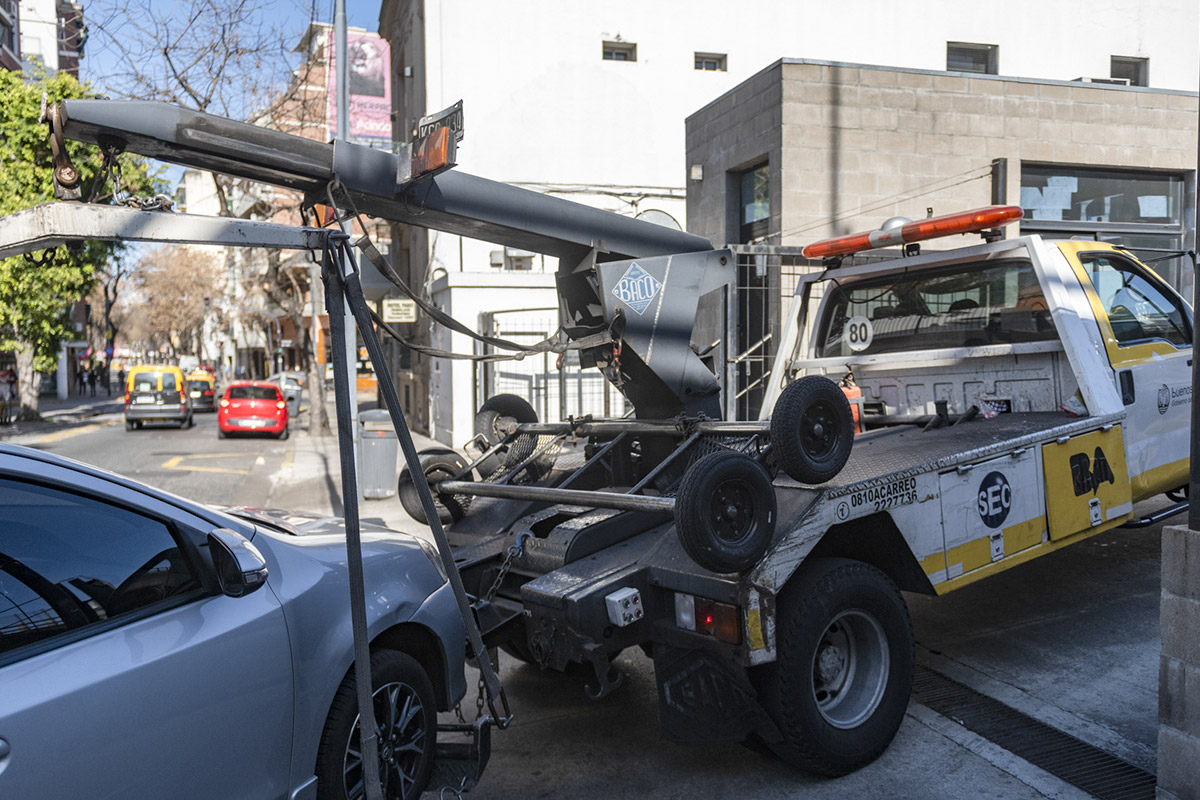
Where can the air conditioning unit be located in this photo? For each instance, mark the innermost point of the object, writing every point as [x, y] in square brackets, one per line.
[1109, 81]
[496, 258]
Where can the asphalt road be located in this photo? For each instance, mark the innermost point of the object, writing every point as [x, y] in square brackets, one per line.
[1070, 639]
[191, 462]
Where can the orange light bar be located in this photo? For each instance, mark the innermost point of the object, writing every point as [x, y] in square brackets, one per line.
[965, 222]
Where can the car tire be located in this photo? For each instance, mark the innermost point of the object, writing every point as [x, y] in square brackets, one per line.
[283, 434]
[812, 429]
[438, 464]
[191, 421]
[841, 624]
[725, 511]
[406, 749]
[138, 424]
[493, 420]
[221, 434]
[128, 425]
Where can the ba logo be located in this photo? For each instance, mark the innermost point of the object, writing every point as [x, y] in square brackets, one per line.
[636, 288]
[1164, 399]
[995, 499]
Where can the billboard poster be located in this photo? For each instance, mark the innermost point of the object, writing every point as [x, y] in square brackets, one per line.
[370, 79]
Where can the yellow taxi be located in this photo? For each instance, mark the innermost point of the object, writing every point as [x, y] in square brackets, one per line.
[156, 393]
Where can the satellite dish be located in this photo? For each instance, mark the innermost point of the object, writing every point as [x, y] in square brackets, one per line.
[660, 218]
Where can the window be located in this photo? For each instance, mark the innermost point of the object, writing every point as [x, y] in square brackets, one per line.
[146, 381]
[620, 51]
[1140, 210]
[967, 305]
[711, 62]
[755, 202]
[253, 393]
[1134, 70]
[67, 562]
[1137, 309]
[967, 57]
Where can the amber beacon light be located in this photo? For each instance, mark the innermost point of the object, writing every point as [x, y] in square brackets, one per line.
[932, 228]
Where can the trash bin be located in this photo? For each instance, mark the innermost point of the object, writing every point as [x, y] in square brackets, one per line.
[378, 448]
[294, 395]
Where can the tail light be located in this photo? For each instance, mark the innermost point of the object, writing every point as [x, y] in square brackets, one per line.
[208, 392]
[280, 404]
[224, 403]
[718, 620]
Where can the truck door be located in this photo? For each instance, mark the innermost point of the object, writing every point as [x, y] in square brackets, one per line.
[1147, 332]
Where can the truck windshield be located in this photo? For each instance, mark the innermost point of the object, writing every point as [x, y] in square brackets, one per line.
[967, 305]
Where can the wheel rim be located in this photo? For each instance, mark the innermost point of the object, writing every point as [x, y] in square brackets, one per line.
[818, 429]
[850, 669]
[401, 734]
[731, 511]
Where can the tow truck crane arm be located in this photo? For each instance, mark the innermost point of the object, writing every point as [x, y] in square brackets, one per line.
[598, 291]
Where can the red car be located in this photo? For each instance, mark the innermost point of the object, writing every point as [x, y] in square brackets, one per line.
[252, 407]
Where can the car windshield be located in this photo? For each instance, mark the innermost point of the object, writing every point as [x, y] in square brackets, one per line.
[253, 393]
[197, 384]
[967, 305]
[146, 381]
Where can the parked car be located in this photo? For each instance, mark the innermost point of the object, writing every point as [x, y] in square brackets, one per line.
[292, 383]
[163, 648]
[156, 393]
[202, 388]
[252, 407]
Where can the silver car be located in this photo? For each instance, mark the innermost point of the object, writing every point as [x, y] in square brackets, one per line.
[155, 647]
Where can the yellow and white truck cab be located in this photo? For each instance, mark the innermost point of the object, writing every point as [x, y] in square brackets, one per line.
[1052, 381]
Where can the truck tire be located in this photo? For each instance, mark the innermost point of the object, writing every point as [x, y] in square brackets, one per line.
[438, 464]
[725, 511]
[493, 421]
[840, 686]
[406, 715]
[812, 429]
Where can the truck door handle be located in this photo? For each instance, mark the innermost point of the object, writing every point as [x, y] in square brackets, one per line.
[1128, 394]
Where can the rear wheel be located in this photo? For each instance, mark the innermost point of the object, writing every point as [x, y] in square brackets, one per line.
[841, 683]
[406, 717]
[221, 434]
[438, 464]
[128, 425]
[812, 429]
[283, 434]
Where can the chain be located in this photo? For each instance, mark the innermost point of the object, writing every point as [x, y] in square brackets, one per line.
[514, 552]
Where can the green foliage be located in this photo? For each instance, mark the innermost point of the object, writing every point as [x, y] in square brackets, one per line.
[36, 298]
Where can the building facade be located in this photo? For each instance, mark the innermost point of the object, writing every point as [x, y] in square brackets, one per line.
[53, 34]
[589, 102]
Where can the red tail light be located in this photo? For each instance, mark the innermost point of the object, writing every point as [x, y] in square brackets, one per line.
[280, 404]
[208, 392]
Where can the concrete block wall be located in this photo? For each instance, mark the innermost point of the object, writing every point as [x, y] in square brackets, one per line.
[1179, 667]
[857, 144]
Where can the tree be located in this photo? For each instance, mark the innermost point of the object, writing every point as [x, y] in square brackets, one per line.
[220, 56]
[171, 285]
[37, 293]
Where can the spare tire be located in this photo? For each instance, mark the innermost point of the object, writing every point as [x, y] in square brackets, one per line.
[812, 429]
[494, 420]
[725, 511]
[438, 464]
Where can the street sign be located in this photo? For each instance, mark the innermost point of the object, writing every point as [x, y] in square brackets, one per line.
[399, 310]
[285, 343]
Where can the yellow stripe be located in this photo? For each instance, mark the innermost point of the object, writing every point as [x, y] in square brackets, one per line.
[67, 434]
[934, 562]
[754, 630]
[972, 555]
[1159, 479]
[1024, 534]
[1025, 555]
[176, 461]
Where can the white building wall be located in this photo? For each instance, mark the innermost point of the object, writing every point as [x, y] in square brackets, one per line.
[544, 110]
[39, 32]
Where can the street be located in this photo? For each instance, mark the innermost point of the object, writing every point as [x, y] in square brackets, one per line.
[1070, 640]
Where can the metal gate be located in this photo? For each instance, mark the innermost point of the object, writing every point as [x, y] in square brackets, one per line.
[554, 393]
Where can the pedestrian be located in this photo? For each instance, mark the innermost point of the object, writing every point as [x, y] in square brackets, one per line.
[121, 380]
[80, 378]
[91, 379]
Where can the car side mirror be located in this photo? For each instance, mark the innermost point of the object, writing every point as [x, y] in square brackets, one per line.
[241, 568]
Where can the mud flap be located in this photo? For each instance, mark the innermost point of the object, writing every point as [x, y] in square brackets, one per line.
[705, 698]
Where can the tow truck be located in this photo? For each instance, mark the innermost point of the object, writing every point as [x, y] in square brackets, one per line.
[930, 420]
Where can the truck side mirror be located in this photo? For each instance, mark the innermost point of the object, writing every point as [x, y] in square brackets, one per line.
[241, 568]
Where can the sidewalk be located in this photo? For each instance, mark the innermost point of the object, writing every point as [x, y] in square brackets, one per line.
[58, 414]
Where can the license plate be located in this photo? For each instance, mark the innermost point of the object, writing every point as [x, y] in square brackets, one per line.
[195, 394]
[143, 399]
[255, 423]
